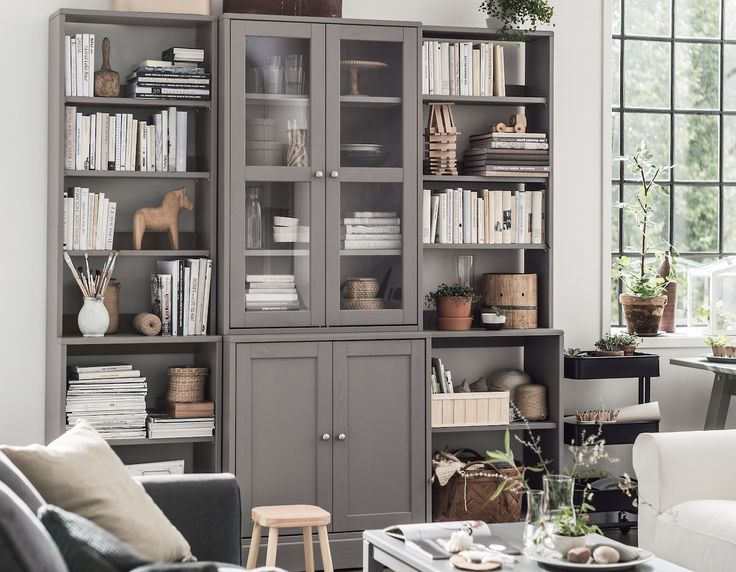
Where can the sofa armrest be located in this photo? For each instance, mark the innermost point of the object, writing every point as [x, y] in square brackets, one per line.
[206, 510]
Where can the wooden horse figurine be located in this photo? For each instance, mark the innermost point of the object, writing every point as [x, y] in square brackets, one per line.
[163, 218]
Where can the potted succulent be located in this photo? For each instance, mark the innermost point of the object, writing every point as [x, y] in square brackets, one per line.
[644, 305]
[629, 343]
[517, 16]
[609, 345]
[454, 304]
[494, 318]
[722, 346]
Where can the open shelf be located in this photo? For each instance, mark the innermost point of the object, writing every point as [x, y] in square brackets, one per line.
[277, 98]
[438, 246]
[389, 252]
[143, 253]
[136, 339]
[131, 102]
[167, 441]
[513, 101]
[535, 426]
[483, 333]
[612, 433]
[140, 174]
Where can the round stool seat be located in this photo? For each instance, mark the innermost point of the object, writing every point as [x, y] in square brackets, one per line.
[290, 516]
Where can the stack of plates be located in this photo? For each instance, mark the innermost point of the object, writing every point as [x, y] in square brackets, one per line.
[363, 154]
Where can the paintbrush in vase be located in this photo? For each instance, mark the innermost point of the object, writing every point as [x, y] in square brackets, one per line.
[92, 285]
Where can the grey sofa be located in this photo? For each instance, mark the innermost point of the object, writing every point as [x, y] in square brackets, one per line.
[205, 509]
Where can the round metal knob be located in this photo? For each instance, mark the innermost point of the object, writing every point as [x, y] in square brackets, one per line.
[325, 436]
[334, 174]
[341, 437]
[319, 174]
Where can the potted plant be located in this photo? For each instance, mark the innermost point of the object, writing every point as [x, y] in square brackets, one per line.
[722, 346]
[454, 304]
[609, 345]
[517, 16]
[570, 528]
[644, 306]
[629, 343]
[494, 318]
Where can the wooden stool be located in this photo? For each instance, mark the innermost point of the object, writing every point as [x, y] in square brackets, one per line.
[290, 516]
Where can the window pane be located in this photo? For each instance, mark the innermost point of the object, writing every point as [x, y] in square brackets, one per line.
[698, 18]
[643, 86]
[729, 148]
[616, 73]
[648, 17]
[616, 142]
[700, 295]
[615, 286]
[729, 219]
[697, 75]
[615, 213]
[616, 17]
[655, 130]
[696, 148]
[729, 27]
[729, 76]
[696, 219]
[657, 223]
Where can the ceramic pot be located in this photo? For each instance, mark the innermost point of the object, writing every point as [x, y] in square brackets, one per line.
[668, 317]
[93, 318]
[606, 353]
[629, 350]
[724, 351]
[563, 544]
[643, 315]
[454, 324]
[453, 307]
[492, 321]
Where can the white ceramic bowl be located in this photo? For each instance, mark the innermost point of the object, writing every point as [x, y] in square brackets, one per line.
[490, 318]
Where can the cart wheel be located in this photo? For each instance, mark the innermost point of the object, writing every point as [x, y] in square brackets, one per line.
[624, 525]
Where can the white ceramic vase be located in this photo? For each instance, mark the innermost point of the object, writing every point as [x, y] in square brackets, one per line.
[563, 544]
[93, 318]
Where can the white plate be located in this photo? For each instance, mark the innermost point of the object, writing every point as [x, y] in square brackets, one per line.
[560, 564]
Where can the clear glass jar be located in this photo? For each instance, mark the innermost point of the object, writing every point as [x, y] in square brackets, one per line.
[558, 500]
[254, 219]
[534, 522]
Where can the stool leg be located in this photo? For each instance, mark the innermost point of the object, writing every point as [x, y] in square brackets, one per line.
[273, 542]
[255, 542]
[324, 548]
[308, 549]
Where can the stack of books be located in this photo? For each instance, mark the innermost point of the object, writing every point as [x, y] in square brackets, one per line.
[112, 398]
[177, 75]
[79, 61]
[89, 220]
[271, 292]
[507, 155]
[161, 426]
[371, 230]
[180, 296]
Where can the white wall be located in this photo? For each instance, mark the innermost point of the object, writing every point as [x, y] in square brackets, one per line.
[579, 163]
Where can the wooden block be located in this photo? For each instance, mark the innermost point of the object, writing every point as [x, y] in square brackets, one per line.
[199, 409]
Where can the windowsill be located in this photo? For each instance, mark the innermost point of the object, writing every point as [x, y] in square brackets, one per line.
[683, 338]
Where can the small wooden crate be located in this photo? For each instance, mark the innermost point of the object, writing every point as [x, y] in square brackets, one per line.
[470, 409]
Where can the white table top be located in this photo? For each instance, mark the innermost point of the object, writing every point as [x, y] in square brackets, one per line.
[702, 363]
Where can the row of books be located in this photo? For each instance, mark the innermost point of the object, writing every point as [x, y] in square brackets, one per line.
[511, 142]
[371, 230]
[180, 296]
[269, 292]
[463, 68]
[441, 378]
[112, 398]
[464, 216]
[119, 142]
[178, 75]
[161, 426]
[88, 221]
[507, 155]
[79, 63]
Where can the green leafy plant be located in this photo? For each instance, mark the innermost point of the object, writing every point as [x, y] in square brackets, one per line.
[719, 341]
[497, 311]
[616, 342]
[518, 15]
[454, 291]
[574, 352]
[642, 279]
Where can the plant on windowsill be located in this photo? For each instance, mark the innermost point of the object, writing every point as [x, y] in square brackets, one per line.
[518, 16]
[644, 306]
[454, 304]
[722, 346]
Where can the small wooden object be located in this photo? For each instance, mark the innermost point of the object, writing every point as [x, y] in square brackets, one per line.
[186, 410]
[147, 324]
[516, 294]
[354, 66]
[441, 140]
[517, 124]
[290, 516]
[162, 218]
[112, 303]
[107, 81]
[470, 409]
[462, 563]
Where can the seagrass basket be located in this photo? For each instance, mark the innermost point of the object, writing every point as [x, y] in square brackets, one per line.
[362, 304]
[186, 384]
[360, 288]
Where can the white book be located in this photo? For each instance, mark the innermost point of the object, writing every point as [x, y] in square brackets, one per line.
[100, 220]
[92, 141]
[489, 214]
[69, 240]
[514, 223]
[369, 237]
[483, 69]
[167, 307]
[425, 70]
[111, 138]
[104, 142]
[445, 68]
[73, 64]
[372, 229]
[131, 132]
[537, 217]
[134, 144]
[76, 219]
[151, 151]
[372, 244]
[181, 141]
[67, 66]
[252, 290]
[456, 63]
[172, 138]
[467, 238]
[442, 219]
[206, 297]
[271, 286]
[92, 220]
[452, 56]
[141, 159]
[164, 140]
[65, 222]
[187, 290]
[91, 70]
[372, 221]
[426, 215]
[481, 224]
[475, 61]
[78, 65]
[474, 217]
[83, 218]
[85, 65]
[107, 367]
[457, 213]
[430, 67]
[274, 278]
[104, 218]
[466, 70]
[111, 212]
[435, 215]
[171, 267]
[86, 126]
[498, 216]
[499, 79]
[437, 67]
[70, 137]
[158, 123]
[261, 297]
[520, 217]
[489, 68]
[118, 139]
[200, 295]
[79, 126]
[193, 264]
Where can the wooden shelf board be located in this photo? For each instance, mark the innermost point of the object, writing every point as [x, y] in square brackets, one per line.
[389, 252]
[143, 253]
[438, 246]
[538, 426]
[133, 102]
[267, 253]
[136, 339]
[367, 100]
[483, 333]
[515, 101]
[139, 174]
[278, 98]
[474, 179]
[166, 441]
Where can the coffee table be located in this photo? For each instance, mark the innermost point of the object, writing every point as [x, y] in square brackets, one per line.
[381, 550]
[724, 386]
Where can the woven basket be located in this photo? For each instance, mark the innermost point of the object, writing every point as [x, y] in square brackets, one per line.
[362, 304]
[360, 288]
[467, 495]
[531, 401]
[186, 384]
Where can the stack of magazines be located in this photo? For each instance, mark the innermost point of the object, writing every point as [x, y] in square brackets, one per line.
[507, 155]
[178, 75]
[162, 426]
[112, 398]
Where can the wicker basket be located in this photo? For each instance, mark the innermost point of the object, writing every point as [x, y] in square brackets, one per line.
[467, 495]
[360, 288]
[186, 384]
[362, 304]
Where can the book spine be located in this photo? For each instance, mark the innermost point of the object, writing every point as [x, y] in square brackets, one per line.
[118, 138]
[435, 215]
[430, 67]
[473, 217]
[164, 139]
[105, 218]
[85, 65]
[193, 294]
[206, 297]
[425, 71]
[67, 66]
[180, 298]
[181, 141]
[157, 121]
[91, 69]
[69, 201]
[476, 71]
[426, 215]
[480, 206]
[187, 285]
[92, 141]
[78, 65]
[76, 221]
[172, 138]
[151, 151]
[83, 217]
[537, 208]
[141, 151]
[166, 325]
[112, 211]
[442, 220]
[65, 222]
[466, 217]
[111, 135]
[200, 295]
[457, 213]
[70, 137]
[131, 133]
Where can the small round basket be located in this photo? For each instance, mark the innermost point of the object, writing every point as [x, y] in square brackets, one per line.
[360, 288]
[186, 384]
[362, 304]
[531, 400]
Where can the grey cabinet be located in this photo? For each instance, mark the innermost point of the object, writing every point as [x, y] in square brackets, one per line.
[320, 157]
[337, 424]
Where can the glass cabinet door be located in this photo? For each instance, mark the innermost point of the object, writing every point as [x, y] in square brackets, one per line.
[372, 167]
[277, 164]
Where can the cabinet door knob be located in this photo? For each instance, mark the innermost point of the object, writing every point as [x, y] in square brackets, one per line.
[319, 174]
[325, 436]
[334, 174]
[341, 437]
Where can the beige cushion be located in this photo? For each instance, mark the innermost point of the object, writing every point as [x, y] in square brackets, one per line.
[79, 472]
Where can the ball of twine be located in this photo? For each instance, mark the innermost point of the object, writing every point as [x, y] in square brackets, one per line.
[531, 400]
[147, 324]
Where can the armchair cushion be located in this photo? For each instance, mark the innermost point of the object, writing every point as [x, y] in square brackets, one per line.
[19, 484]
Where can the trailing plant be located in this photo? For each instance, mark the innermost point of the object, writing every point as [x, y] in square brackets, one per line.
[454, 291]
[518, 16]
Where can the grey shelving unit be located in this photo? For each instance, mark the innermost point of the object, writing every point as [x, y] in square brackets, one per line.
[134, 37]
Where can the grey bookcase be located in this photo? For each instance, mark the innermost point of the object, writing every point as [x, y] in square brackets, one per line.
[134, 37]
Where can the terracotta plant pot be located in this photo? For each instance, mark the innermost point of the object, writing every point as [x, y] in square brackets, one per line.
[724, 351]
[603, 353]
[454, 324]
[668, 317]
[629, 350]
[454, 307]
[643, 315]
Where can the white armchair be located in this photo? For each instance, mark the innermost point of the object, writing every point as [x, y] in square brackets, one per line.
[687, 498]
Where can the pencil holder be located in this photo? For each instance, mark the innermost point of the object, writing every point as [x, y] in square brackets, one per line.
[93, 318]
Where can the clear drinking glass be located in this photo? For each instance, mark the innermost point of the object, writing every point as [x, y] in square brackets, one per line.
[558, 499]
[465, 275]
[254, 219]
[254, 81]
[294, 74]
[534, 522]
[273, 75]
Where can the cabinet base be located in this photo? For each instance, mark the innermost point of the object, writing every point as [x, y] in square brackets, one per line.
[346, 549]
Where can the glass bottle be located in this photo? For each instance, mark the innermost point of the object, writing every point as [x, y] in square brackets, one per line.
[534, 522]
[558, 500]
[254, 219]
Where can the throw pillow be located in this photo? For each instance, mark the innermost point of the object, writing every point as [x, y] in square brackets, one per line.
[79, 472]
[86, 546]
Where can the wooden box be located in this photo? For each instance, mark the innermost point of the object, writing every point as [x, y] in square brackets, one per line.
[470, 409]
[201, 7]
[515, 294]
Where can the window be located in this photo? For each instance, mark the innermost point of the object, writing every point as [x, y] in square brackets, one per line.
[674, 86]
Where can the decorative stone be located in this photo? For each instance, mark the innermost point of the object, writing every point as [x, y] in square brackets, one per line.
[579, 555]
[606, 555]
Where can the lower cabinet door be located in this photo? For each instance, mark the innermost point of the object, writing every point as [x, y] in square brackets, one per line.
[379, 434]
[283, 451]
